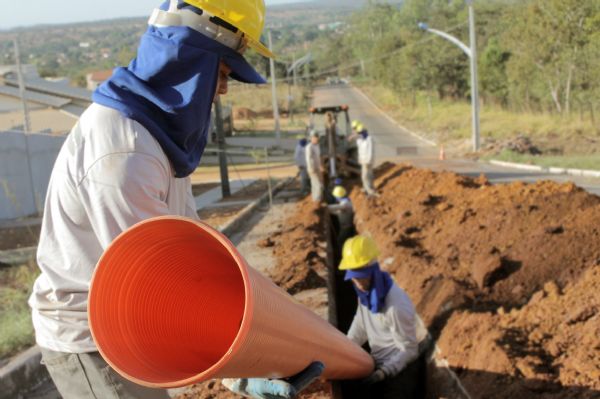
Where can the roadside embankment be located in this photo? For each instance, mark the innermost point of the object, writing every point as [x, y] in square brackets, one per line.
[498, 274]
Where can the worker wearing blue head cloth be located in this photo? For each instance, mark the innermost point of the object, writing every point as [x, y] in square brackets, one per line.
[169, 87]
[385, 318]
[128, 159]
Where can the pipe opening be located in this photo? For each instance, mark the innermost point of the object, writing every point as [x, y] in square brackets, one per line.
[177, 301]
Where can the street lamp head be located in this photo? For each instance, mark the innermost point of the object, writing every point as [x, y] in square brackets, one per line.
[423, 25]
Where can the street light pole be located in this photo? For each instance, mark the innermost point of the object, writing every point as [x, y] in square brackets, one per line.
[474, 80]
[471, 52]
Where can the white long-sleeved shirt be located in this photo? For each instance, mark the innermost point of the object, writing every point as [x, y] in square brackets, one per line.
[366, 150]
[110, 174]
[391, 333]
[300, 156]
[313, 158]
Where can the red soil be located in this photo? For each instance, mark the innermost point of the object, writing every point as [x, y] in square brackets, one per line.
[505, 275]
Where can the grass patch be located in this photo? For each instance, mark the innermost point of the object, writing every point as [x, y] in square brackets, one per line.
[16, 330]
[445, 120]
[259, 97]
[589, 162]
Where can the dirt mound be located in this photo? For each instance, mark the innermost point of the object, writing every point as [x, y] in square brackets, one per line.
[300, 250]
[463, 248]
[479, 243]
[519, 144]
[549, 348]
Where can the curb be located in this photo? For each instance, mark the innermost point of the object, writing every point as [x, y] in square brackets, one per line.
[232, 226]
[423, 139]
[22, 374]
[552, 170]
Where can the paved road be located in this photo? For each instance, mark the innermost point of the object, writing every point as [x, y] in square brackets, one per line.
[396, 143]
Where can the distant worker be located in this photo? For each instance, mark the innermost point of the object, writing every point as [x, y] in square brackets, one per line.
[366, 155]
[300, 159]
[385, 318]
[128, 159]
[314, 166]
[343, 212]
[341, 196]
[330, 124]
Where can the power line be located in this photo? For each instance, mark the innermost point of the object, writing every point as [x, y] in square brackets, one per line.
[368, 60]
[358, 61]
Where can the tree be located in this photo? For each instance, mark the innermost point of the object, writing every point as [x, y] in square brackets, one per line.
[493, 79]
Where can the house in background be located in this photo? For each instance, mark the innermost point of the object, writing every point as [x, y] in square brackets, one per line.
[94, 79]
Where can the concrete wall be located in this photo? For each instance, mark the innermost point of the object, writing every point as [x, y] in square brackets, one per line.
[17, 198]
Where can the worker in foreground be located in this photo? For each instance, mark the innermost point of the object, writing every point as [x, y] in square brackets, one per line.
[314, 166]
[128, 159]
[385, 318]
[366, 155]
[300, 159]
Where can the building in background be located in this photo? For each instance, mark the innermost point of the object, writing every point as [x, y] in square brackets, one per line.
[94, 79]
[54, 105]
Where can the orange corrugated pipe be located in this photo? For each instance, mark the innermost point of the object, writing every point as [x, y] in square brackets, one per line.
[172, 302]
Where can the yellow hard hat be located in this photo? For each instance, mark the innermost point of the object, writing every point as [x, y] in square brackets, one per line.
[246, 15]
[339, 192]
[356, 123]
[358, 252]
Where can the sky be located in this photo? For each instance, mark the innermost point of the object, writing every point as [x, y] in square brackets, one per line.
[17, 13]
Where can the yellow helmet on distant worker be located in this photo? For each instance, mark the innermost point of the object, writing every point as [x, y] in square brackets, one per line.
[355, 124]
[339, 192]
[358, 252]
[246, 15]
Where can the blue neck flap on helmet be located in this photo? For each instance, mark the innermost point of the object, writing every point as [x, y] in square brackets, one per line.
[169, 89]
[381, 283]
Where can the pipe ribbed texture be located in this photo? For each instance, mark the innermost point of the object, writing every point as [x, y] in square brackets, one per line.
[172, 302]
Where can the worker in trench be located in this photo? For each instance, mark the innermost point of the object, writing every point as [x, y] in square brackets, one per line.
[366, 155]
[129, 158]
[385, 319]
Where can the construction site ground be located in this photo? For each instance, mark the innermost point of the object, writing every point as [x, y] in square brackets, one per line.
[505, 276]
[504, 269]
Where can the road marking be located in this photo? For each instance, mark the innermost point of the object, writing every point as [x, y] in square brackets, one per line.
[423, 139]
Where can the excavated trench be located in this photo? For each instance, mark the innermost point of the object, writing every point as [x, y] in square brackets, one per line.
[342, 298]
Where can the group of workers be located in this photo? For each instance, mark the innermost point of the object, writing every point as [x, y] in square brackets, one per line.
[307, 156]
[129, 158]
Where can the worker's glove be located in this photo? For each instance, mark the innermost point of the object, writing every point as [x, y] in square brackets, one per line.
[376, 376]
[264, 388]
[260, 388]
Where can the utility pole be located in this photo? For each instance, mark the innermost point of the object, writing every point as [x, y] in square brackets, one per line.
[294, 72]
[471, 52]
[274, 88]
[362, 68]
[474, 82]
[26, 122]
[225, 191]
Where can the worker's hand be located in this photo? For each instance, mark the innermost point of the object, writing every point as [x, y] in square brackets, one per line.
[264, 388]
[376, 376]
